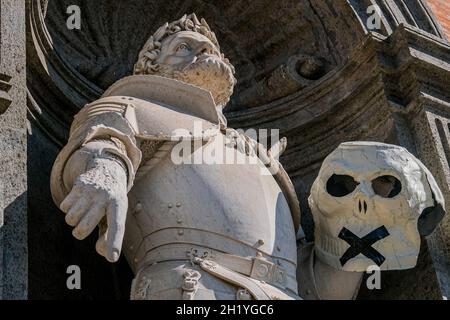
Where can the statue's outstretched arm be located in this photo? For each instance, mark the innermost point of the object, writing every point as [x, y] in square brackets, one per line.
[93, 174]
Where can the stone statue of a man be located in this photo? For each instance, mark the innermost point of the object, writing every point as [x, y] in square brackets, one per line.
[188, 230]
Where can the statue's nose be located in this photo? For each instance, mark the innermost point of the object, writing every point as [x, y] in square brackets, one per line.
[206, 48]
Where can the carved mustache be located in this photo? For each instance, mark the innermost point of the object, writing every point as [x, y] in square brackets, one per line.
[206, 61]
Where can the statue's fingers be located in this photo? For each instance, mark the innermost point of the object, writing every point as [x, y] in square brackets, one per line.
[116, 217]
[100, 245]
[77, 211]
[70, 200]
[89, 221]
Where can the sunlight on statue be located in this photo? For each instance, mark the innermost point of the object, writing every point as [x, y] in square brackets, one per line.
[201, 223]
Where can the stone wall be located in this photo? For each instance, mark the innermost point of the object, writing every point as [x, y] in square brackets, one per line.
[13, 149]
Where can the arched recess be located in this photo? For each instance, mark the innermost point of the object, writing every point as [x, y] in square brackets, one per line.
[69, 68]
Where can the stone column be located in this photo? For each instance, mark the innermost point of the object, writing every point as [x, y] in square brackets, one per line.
[432, 130]
[13, 152]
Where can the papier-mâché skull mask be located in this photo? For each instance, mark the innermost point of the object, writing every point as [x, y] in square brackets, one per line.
[370, 203]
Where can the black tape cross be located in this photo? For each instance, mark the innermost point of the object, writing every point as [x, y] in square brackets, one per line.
[363, 245]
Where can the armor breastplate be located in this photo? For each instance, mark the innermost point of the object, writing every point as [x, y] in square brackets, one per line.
[231, 208]
[235, 211]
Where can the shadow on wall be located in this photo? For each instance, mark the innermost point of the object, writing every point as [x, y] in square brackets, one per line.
[13, 251]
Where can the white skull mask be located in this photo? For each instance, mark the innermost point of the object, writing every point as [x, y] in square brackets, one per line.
[370, 203]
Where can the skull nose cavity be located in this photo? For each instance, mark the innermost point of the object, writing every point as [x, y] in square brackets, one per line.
[362, 206]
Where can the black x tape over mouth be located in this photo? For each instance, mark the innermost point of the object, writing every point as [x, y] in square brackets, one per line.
[363, 245]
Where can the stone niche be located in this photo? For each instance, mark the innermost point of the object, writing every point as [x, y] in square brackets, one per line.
[309, 68]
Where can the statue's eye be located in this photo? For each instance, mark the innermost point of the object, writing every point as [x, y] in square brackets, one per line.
[183, 48]
[341, 185]
[386, 186]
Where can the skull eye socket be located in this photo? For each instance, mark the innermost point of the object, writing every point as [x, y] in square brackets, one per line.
[341, 185]
[386, 186]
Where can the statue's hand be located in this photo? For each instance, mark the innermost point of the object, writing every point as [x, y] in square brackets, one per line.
[99, 192]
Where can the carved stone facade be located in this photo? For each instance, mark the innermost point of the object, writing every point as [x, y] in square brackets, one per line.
[310, 68]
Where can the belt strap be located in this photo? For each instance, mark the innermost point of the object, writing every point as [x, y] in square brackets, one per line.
[233, 278]
[257, 268]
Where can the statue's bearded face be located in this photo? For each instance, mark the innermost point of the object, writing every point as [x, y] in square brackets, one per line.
[192, 58]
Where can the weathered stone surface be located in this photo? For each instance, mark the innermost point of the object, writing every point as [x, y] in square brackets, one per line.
[441, 9]
[13, 179]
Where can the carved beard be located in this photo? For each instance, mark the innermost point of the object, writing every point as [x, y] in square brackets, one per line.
[209, 73]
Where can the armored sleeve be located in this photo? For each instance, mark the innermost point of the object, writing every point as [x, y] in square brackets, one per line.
[98, 130]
